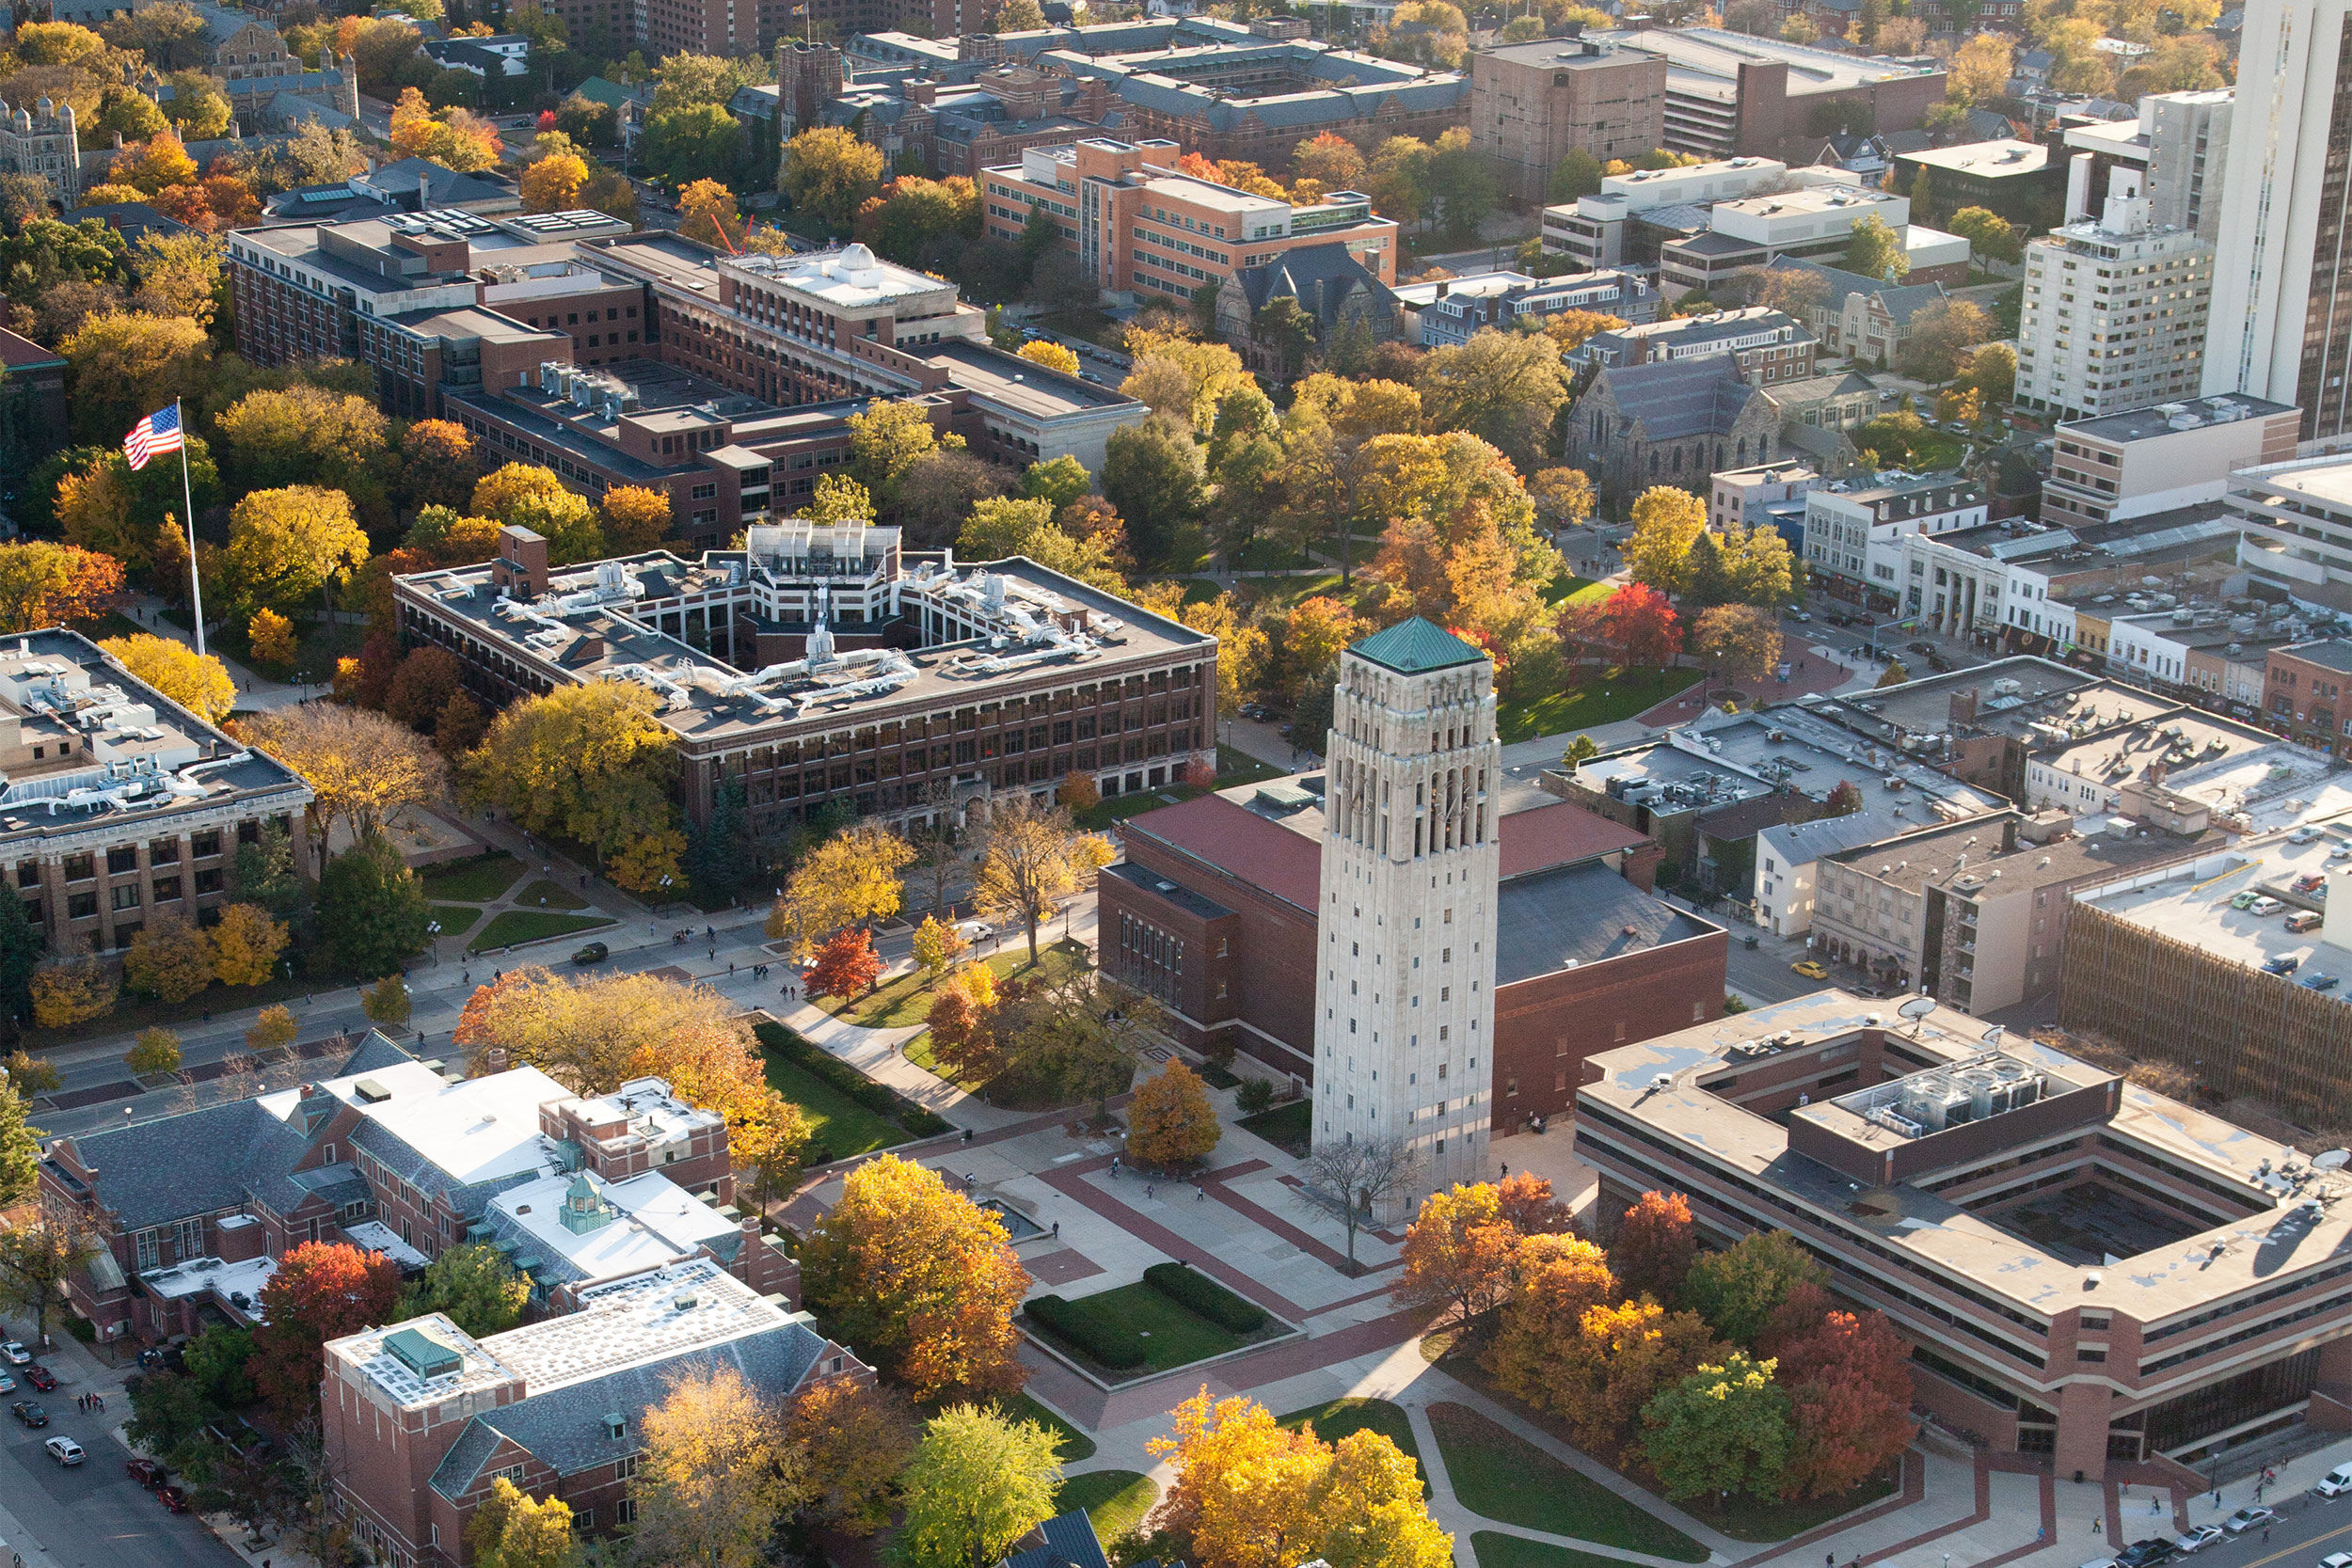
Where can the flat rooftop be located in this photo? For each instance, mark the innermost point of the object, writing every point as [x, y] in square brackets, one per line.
[1574, 915]
[2173, 418]
[479, 1130]
[1704, 61]
[1662, 1087]
[2001, 159]
[1725, 760]
[2192, 906]
[2007, 694]
[1966, 858]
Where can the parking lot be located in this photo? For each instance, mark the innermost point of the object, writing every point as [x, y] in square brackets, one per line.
[2199, 906]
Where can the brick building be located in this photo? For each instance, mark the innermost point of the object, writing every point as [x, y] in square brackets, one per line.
[193, 1210]
[1672, 422]
[422, 1418]
[2304, 693]
[1212, 912]
[1534, 103]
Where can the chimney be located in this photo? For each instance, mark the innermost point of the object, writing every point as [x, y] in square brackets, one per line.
[424, 190]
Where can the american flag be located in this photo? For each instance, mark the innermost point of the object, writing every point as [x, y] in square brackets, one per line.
[157, 433]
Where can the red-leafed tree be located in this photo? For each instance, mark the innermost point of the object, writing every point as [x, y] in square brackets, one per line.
[1634, 626]
[1524, 1202]
[322, 1291]
[1849, 1384]
[846, 964]
[1654, 1245]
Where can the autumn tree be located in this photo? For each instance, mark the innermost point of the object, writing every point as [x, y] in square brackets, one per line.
[289, 544]
[717, 1476]
[844, 964]
[37, 1256]
[594, 1033]
[245, 944]
[364, 771]
[886, 441]
[1849, 1392]
[1723, 1428]
[855, 1440]
[634, 518]
[1737, 641]
[592, 764]
[510, 1529]
[851, 879]
[828, 173]
[525, 495]
[1667, 521]
[269, 637]
[552, 185]
[1501, 386]
[71, 986]
[1555, 1278]
[473, 1285]
[1654, 1245]
[197, 682]
[170, 958]
[46, 584]
[1563, 496]
[1170, 1122]
[273, 1029]
[937, 947]
[919, 1278]
[1458, 1253]
[1031, 855]
[1737, 1290]
[1634, 625]
[978, 1481]
[321, 1291]
[156, 1049]
[305, 434]
[1943, 336]
[386, 1003]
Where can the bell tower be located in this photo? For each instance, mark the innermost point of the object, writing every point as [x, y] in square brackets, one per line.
[1405, 990]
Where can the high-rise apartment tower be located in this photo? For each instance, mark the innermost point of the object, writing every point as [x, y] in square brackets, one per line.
[1411, 868]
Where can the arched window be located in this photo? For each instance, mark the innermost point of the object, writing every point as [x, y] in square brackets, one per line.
[1653, 462]
[1742, 452]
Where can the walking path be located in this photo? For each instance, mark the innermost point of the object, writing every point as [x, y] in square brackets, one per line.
[254, 692]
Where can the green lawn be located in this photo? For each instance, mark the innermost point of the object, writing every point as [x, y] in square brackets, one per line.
[1290, 1126]
[456, 919]
[1175, 1335]
[1620, 694]
[1116, 1500]
[840, 1126]
[1567, 588]
[1765, 1519]
[1505, 1478]
[474, 881]
[1076, 1447]
[907, 1000]
[1495, 1549]
[514, 925]
[554, 896]
[1240, 767]
[1344, 1417]
[1120, 807]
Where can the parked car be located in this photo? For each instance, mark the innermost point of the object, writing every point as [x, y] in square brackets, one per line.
[16, 1354]
[2243, 900]
[2304, 920]
[8, 1383]
[595, 953]
[29, 1412]
[2304, 836]
[65, 1450]
[172, 1499]
[2251, 1517]
[2145, 1554]
[2285, 963]
[2318, 982]
[41, 1378]
[1798, 616]
[2196, 1538]
[2310, 880]
[146, 1472]
[2336, 1483]
[2336, 1560]
[1811, 970]
[2264, 905]
[1921, 647]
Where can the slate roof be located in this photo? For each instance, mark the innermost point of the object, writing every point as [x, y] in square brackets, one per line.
[1674, 398]
[215, 1157]
[1322, 277]
[1067, 1540]
[1414, 646]
[1900, 299]
[565, 1427]
[130, 219]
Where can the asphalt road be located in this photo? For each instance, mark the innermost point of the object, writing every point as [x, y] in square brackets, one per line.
[2310, 1527]
[92, 1516]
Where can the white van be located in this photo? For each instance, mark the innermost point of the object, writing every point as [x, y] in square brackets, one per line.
[2336, 1483]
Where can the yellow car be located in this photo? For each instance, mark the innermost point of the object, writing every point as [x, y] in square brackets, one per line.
[1811, 970]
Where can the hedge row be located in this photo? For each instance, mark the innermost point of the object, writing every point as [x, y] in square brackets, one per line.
[1188, 1289]
[881, 1099]
[1115, 1348]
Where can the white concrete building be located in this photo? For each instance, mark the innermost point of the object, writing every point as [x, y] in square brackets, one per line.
[2151, 459]
[2298, 518]
[2114, 310]
[1787, 857]
[1404, 994]
[1855, 529]
[2281, 323]
[1591, 227]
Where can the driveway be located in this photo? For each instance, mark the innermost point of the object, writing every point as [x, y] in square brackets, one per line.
[91, 1515]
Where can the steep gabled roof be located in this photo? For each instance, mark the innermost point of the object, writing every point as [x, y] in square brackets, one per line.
[1676, 398]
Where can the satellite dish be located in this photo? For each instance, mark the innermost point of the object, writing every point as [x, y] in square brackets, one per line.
[1918, 1006]
[2335, 1159]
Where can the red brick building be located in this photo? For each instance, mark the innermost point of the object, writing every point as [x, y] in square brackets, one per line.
[2305, 693]
[1212, 912]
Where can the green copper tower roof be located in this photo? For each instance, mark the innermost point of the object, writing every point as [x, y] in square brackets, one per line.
[1415, 647]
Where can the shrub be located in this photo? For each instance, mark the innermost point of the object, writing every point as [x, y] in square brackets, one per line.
[1115, 1348]
[1202, 1294]
[878, 1098]
[1255, 1095]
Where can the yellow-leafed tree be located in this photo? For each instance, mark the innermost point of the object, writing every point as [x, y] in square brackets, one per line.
[73, 988]
[717, 1474]
[590, 762]
[1170, 1121]
[1031, 856]
[1051, 354]
[198, 682]
[851, 879]
[169, 957]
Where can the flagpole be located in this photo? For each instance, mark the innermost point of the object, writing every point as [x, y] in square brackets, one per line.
[187, 491]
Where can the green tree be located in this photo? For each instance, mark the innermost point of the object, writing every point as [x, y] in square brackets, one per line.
[1056, 483]
[372, 909]
[20, 1146]
[1874, 250]
[1988, 233]
[704, 141]
[386, 1003]
[1154, 475]
[1503, 388]
[216, 1359]
[36, 1259]
[19, 955]
[1724, 1428]
[1737, 1290]
[475, 1285]
[978, 1483]
[156, 1049]
[510, 1529]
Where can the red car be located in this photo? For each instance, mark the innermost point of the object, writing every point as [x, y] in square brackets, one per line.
[173, 1498]
[41, 1378]
[145, 1471]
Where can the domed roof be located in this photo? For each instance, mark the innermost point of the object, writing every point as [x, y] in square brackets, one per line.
[856, 255]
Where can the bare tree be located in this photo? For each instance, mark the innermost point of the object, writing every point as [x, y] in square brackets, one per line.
[937, 865]
[1357, 1179]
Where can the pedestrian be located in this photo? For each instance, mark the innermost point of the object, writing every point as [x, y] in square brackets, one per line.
[730, 966]
[1147, 1189]
[1828, 1560]
[1058, 1231]
[1200, 1193]
[2266, 1535]
[2096, 1526]
[1114, 1168]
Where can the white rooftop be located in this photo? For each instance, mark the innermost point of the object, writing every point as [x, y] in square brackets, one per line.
[652, 1112]
[655, 1222]
[230, 1280]
[634, 1321]
[477, 1130]
[375, 1236]
[849, 279]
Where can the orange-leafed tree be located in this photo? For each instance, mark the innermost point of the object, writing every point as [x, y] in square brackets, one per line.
[1458, 1252]
[1849, 1384]
[1170, 1121]
[846, 963]
[856, 1438]
[46, 584]
[1243, 1483]
[1654, 1245]
[1554, 1280]
[1524, 1202]
[920, 1279]
[322, 1291]
[1636, 624]
[1619, 1358]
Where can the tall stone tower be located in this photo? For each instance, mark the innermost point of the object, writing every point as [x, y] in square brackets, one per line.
[1405, 1010]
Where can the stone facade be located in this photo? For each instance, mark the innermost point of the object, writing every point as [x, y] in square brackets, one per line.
[42, 141]
[1671, 423]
